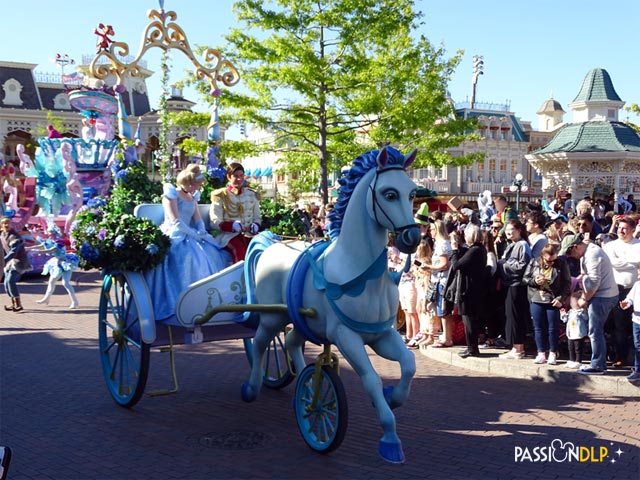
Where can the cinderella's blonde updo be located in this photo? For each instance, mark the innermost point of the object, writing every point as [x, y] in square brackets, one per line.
[191, 175]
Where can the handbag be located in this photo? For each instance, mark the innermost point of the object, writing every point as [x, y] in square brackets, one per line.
[432, 290]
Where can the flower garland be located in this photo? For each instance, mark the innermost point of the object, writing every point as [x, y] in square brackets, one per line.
[114, 242]
[108, 236]
[164, 117]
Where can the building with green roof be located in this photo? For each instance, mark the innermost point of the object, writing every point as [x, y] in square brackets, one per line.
[596, 154]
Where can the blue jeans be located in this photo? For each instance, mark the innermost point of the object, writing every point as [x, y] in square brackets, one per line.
[599, 310]
[636, 344]
[546, 323]
[11, 283]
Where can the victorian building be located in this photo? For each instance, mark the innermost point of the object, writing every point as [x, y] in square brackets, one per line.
[596, 154]
[505, 140]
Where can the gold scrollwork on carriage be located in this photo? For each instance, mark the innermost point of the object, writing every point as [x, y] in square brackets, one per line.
[164, 33]
[240, 290]
[211, 293]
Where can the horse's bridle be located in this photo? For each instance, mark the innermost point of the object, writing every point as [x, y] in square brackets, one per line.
[377, 206]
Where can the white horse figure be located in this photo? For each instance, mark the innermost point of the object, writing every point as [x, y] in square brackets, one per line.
[26, 164]
[348, 285]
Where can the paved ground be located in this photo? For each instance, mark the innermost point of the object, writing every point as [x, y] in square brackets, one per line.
[460, 423]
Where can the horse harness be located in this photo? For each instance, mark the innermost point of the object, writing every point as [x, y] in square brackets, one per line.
[313, 258]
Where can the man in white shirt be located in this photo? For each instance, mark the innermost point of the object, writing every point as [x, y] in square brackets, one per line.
[624, 254]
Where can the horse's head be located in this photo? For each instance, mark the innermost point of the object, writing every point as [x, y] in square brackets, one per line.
[390, 199]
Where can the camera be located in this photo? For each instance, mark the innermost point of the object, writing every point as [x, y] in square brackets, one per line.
[417, 263]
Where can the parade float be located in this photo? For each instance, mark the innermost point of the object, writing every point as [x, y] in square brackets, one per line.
[240, 301]
[67, 172]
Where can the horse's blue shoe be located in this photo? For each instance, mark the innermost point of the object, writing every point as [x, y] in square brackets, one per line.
[248, 393]
[391, 451]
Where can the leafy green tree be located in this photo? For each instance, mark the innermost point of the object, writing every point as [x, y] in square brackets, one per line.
[634, 108]
[230, 150]
[281, 220]
[332, 78]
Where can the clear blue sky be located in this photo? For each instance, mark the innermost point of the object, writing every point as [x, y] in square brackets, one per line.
[531, 49]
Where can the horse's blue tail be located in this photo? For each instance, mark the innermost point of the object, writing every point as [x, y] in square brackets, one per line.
[257, 246]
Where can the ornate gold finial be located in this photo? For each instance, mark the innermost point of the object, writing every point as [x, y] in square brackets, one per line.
[166, 36]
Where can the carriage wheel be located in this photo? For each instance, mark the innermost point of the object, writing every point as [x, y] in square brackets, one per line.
[124, 356]
[276, 373]
[323, 422]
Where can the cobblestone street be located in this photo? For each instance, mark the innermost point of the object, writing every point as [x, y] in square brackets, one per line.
[59, 420]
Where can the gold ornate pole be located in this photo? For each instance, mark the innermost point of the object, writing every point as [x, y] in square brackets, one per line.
[164, 33]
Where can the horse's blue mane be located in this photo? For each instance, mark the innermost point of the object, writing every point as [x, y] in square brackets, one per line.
[360, 166]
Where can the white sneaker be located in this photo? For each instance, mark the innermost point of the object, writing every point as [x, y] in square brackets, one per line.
[552, 359]
[512, 355]
[541, 358]
[571, 364]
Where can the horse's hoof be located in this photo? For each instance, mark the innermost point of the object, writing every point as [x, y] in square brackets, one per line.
[391, 451]
[248, 393]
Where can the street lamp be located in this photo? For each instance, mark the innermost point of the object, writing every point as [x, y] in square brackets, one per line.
[478, 69]
[518, 185]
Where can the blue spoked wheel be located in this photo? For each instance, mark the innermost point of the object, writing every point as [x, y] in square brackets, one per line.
[124, 356]
[322, 422]
[276, 373]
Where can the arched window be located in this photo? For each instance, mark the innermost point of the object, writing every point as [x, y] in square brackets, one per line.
[61, 102]
[12, 89]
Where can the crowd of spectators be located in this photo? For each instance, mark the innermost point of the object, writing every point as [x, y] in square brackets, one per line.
[553, 283]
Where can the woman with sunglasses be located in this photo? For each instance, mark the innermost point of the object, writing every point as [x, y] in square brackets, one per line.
[549, 284]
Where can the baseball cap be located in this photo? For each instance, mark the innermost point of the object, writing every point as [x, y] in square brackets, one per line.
[570, 241]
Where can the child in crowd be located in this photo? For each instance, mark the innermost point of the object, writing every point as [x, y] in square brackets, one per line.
[426, 335]
[633, 298]
[408, 302]
[577, 321]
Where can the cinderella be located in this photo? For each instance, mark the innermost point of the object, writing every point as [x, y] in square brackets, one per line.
[194, 254]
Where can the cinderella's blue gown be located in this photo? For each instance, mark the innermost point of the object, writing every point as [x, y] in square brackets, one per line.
[194, 255]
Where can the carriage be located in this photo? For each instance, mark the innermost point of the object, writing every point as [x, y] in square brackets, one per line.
[282, 295]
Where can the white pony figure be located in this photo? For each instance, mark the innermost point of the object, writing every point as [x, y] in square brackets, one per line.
[74, 187]
[347, 283]
[26, 164]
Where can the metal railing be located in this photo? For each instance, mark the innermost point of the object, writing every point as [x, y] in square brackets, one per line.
[497, 107]
[88, 58]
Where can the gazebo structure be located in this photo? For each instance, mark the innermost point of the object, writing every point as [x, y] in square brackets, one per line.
[596, 155]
